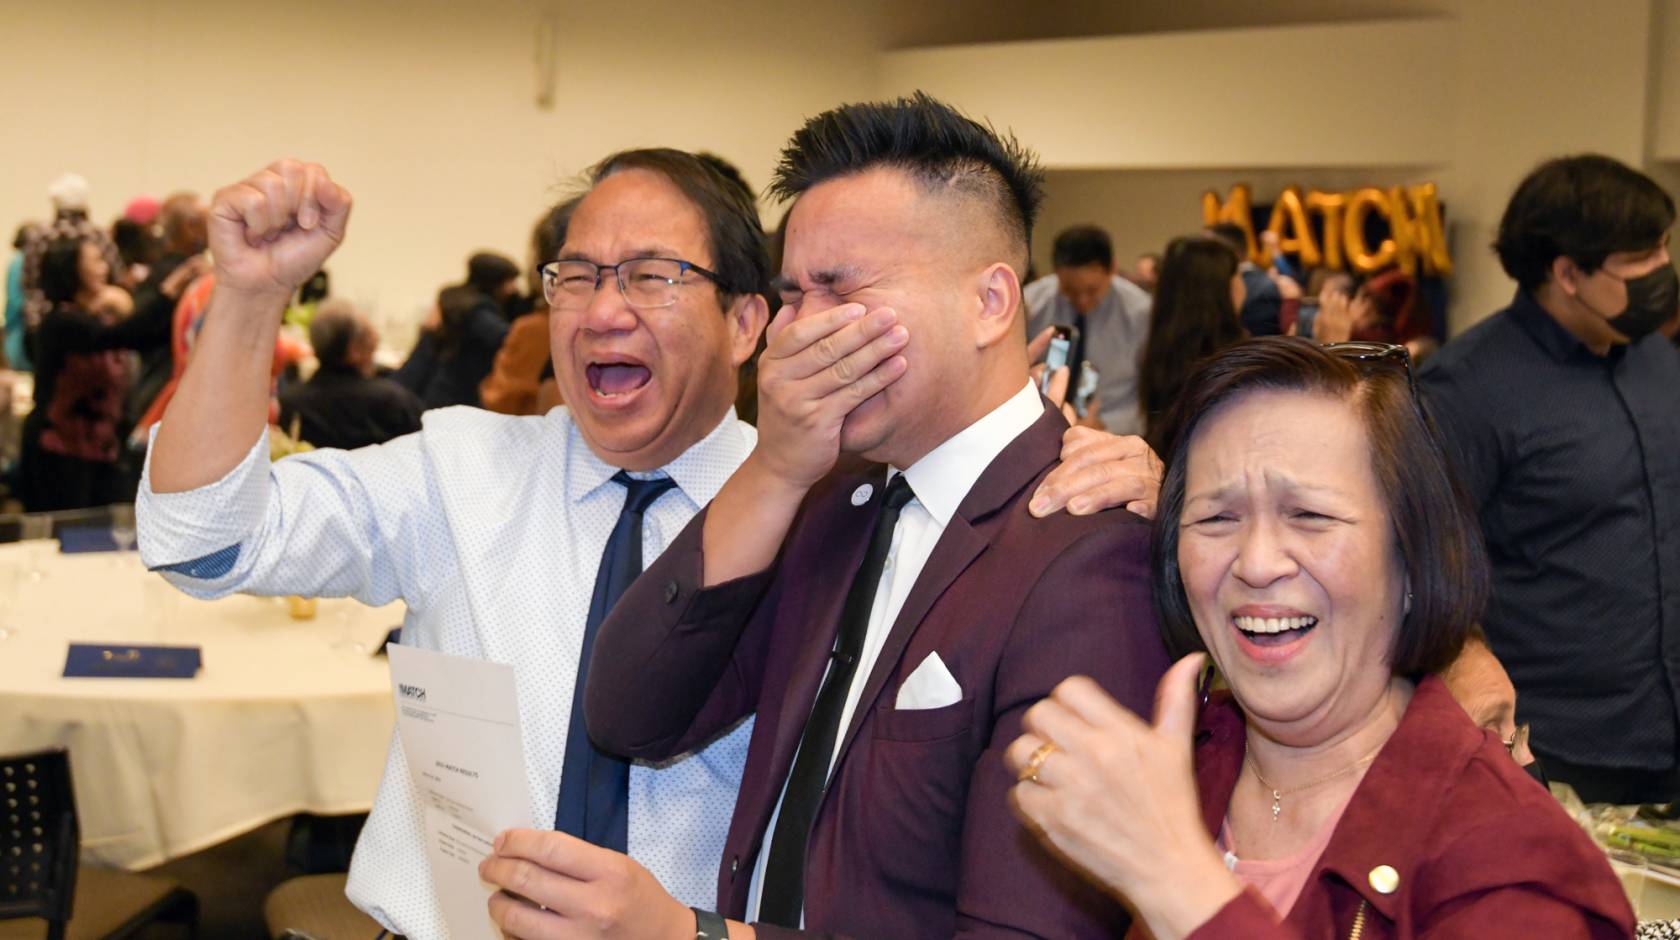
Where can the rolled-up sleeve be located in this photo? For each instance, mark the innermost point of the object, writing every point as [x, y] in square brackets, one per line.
[197, 534]
[327, 523]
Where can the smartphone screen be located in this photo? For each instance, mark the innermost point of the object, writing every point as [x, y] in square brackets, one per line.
[1061, 346]
[1305, 319]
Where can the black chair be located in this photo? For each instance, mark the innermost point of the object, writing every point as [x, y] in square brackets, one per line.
[313, 907]
[40, 877]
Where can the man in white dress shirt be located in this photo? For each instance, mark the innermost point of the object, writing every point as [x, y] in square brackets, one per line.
[490, 528]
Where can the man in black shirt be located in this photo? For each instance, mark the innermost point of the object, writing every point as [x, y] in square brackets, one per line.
[344, 404]
[1560, 410]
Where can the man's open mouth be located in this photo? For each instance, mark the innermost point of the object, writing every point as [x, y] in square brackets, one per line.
[617, 377]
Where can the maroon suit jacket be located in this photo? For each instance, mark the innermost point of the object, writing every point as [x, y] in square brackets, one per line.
[915, 836]
[1481, 849]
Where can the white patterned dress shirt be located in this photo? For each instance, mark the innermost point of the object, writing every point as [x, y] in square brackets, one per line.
[490, 529]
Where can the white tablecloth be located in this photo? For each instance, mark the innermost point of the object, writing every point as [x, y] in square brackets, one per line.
[279, 721]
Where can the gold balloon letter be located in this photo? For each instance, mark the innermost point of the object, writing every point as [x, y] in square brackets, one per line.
[1430, 237]
[1237, 209]
[1359, 255]
[1404, 228]
[1289, 221]
[1330, 205]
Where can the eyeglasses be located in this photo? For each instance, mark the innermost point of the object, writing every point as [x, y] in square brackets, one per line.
[1369, 354]
[646, 283]
[1518, 744]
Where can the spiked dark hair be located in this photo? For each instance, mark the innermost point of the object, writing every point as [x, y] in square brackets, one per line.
[930, 140]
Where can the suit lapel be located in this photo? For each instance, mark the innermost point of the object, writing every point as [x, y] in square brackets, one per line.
[962, 541]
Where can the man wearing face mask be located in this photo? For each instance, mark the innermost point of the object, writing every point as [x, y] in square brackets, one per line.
[1560, 412]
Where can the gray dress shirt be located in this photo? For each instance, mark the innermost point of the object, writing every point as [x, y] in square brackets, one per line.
[1116, 330]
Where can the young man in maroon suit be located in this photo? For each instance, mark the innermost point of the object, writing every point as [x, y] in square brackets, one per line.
[870, 582]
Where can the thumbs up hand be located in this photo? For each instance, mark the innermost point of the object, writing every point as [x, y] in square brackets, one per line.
[1116, 797]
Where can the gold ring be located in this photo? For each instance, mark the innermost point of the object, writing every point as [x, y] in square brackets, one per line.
[1035, 763]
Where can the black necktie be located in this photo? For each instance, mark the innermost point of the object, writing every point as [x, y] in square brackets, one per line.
[783, 899]
[594, 800]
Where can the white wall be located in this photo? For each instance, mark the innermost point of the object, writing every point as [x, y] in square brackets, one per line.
[1665, 52]
[1472, 99]
[425, 109]
[1214, 98]
[1540, 78]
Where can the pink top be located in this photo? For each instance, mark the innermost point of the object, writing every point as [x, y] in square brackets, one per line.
[1280, 880]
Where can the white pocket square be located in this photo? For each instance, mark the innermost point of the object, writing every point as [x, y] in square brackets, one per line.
[930, 686]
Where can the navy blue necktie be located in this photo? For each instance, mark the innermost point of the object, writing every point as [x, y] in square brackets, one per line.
[594, 800]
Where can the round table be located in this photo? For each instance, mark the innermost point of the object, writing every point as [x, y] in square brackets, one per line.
[283, 718]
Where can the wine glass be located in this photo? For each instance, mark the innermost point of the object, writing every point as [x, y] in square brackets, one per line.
[37, 531]
[345, 624]
[1633, 870]
[9, 577]
[122, 526]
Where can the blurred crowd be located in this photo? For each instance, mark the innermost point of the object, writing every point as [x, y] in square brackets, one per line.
[105, 317]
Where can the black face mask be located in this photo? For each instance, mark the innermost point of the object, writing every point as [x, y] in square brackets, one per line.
[1653, 299]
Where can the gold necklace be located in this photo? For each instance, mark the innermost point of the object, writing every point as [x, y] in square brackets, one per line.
[1278, 795]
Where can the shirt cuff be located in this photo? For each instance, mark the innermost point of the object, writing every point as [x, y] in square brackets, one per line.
[198, 532]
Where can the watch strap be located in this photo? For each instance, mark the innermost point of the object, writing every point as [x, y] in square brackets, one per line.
[709, 925]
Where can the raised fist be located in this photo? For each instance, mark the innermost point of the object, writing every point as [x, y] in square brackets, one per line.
[271, 231]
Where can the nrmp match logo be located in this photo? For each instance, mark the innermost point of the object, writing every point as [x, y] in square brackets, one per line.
[411, 691]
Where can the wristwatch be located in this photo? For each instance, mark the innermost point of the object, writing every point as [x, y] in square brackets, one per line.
[709, 925]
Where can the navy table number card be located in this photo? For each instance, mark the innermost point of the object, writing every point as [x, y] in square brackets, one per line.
[78, 539]
[132, 661]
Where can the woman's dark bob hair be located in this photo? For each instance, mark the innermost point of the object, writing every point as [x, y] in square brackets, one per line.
[1435, 530]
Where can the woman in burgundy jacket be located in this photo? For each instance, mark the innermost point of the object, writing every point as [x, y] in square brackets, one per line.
[1313, 542]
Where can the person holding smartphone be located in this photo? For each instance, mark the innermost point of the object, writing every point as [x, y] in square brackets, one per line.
[1107, 318]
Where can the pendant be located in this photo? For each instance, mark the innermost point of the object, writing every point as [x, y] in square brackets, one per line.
[1277, 805]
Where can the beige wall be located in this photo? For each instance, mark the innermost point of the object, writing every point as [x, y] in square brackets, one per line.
[1541, 78]
[1212, 98]
[1471, 99]
[1665, 89]
[426, 110]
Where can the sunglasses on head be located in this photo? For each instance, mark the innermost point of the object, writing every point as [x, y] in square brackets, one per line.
[1370, 355]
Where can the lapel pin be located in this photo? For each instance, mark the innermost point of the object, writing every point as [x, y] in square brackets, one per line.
[861, 494]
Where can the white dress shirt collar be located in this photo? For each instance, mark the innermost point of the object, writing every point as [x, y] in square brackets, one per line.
[943, 477]
[699, 471]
